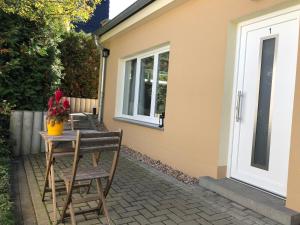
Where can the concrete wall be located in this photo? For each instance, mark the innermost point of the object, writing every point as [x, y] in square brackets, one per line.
[24, 132]
[201, 34]
[86, 105]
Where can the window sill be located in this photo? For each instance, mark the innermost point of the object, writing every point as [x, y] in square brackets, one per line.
[140, 123]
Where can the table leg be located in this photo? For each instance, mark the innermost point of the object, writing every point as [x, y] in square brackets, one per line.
[47, 153]
[47, 182]
[53, 189]
[53, 193]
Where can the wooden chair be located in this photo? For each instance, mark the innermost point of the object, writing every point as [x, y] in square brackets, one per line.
[91, 143]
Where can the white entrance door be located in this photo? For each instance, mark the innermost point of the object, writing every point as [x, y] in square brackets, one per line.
[264, 95]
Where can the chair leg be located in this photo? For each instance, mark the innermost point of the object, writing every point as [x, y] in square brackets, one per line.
[53, 189]
[72, 212]
[47, 177]
[98, 191]
[95, 161]
[107, 186]
[112, 173]
[102, 203]
[67, 202]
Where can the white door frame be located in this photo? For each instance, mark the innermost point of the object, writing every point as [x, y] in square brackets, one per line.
[235, 77]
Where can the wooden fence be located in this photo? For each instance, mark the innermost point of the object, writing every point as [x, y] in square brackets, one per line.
[83, 104]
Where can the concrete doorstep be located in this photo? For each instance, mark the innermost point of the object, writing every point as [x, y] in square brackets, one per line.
[257, 200]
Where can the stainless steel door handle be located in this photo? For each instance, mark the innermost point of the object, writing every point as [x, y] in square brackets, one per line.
[238, 108]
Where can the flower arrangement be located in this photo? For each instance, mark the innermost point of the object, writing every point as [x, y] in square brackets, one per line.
[58, 108]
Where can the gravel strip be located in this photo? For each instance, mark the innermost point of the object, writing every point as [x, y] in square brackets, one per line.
[157, 164]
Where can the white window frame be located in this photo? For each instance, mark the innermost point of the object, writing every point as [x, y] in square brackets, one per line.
[120, 97]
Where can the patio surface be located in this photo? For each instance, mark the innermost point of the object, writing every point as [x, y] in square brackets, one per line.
[142, 195]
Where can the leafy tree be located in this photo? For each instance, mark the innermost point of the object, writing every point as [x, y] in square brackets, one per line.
[80, 59]
[29, 66]
[51, 11]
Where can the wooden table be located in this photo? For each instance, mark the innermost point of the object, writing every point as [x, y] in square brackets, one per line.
[67, 136]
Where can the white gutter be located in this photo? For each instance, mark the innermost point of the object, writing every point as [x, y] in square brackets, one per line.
[102, 77]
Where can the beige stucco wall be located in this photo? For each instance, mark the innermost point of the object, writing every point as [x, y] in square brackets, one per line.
[201, 34]
[293, 198]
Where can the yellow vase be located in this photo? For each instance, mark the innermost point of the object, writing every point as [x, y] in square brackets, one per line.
[55, 129]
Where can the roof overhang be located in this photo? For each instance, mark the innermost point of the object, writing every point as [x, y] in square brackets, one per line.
[135, 14]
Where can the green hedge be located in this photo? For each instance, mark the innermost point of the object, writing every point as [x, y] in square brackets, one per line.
[6, 206]
[29, 62]
[80, 58]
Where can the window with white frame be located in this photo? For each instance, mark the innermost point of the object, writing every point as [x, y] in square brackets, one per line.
[145, 79]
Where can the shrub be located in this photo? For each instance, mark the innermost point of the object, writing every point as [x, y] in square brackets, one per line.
[6, 206]
[4, 175]
[6, 215]
[80, 59]
[29, 63]
[5, 150]
[5, 145]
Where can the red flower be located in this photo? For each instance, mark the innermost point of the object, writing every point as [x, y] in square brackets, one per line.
[50, 103]
[53, 112]
[66, 104]
[58, 95]
[58, 107]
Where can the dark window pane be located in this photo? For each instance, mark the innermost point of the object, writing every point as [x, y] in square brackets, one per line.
[129, 87]
[145, 88]
[162, 81]
[261, 148]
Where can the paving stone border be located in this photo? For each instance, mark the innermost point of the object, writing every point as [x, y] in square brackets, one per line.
[24, 211]
[41, 214]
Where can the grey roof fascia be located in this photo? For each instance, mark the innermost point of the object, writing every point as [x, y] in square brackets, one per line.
[131, 10]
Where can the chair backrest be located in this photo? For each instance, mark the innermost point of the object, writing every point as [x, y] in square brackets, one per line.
[93, 142]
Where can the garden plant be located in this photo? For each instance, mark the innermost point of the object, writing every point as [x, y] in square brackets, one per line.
[6, 206]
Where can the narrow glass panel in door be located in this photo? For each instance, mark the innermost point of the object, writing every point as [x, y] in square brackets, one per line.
[262, 135]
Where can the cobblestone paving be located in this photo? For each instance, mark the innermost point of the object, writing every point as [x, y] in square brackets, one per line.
[141, 195]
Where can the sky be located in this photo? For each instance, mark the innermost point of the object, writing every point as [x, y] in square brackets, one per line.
[117, 6]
